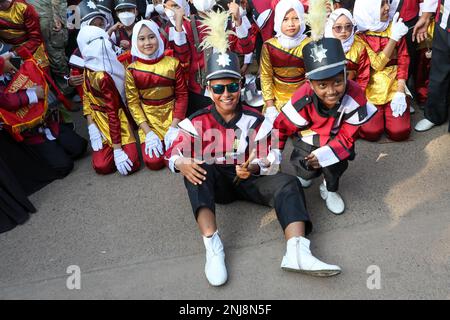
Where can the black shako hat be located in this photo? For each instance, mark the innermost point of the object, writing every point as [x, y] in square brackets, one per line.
[223, 65]
[125, 4]
[107, 5]
[324, 58]
[88, 10]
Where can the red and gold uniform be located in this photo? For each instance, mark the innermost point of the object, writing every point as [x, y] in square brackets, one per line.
[382, 86]
[103, 103]
[19, 26]
[156, 93]
[282, 71]
[358, 63]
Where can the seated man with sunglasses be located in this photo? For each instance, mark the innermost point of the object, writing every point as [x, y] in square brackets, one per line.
[226, 152]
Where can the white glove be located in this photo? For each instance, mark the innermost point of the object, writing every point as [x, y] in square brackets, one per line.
[123, 163]
[96, 137]
[398, 29]
[398, 104]
[271, 114]
[153, 145]
[149, 10]
[170, 136]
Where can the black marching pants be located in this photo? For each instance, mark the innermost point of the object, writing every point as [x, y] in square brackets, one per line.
[281, 191]
[436, 108]
[60, 153]
[332, 173]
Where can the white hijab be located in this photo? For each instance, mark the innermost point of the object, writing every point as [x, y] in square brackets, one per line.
[98, 54]
[280, 12]
[135, 52]
[367, 15]
[334, 16]
[183, 4]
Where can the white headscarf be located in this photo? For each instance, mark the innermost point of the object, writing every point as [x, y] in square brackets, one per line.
[367, 15]
[280, 12]
[334, 16]
[183, 4]
[135, 52]
[98, 55]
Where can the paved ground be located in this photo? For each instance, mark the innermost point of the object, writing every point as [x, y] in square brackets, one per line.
[135, 237]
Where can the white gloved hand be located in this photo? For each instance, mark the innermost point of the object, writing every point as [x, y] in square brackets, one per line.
[398, 104]
[149, 10]
[123, 163]
[96, 137]
[153, 145]
[398, 29]
[170, 136]
[271, 114]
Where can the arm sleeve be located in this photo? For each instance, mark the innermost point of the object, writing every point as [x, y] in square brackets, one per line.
[33, 29]
[112, 105]
[363, 76]
[134, 103]
[403, 60]
[181, 94]
[377, 60]
[87, 110]
[283, 129]
[266, 75]
[244, 42]
[180, 148]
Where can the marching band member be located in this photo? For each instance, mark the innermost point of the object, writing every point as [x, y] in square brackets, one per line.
[341, 25]
[156, 93]
[104, 103]
[282, 66]
[389, 61]
[227, 168]
[324, 115]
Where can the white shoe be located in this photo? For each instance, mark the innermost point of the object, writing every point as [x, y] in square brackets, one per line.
[215, 269]
[424, 125]
[298, 258]
[305, 183]
[333, 200]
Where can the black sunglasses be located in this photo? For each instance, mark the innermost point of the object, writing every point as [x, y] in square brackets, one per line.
[231, 88]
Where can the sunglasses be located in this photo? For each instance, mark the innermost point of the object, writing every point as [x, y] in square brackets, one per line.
[231, 88]
[347, 28]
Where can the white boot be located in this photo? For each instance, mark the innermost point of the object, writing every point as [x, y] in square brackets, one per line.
[424, 125]
[305, 183]
[298, 258]
[215, 269]
[333, 200]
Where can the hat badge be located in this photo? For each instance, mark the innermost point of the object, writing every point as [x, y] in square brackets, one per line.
[318, 53]
[91, 5]
[223, 60]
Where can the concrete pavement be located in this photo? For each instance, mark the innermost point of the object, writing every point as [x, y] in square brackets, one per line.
[135, 237]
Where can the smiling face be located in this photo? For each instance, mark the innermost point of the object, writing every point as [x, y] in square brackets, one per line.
[384, 10]
[147, 42]
[329, 91]
[291, 23]
[342, 28]
[227, 101]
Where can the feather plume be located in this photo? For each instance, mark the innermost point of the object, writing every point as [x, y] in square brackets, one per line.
[317, 18]
[215, 25]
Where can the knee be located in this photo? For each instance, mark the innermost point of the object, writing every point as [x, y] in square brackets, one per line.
[399, 134]
[102, 166]
[373, 134]
[64, 168]
[154, 163]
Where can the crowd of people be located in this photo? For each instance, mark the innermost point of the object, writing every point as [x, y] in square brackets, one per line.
[213, 90]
